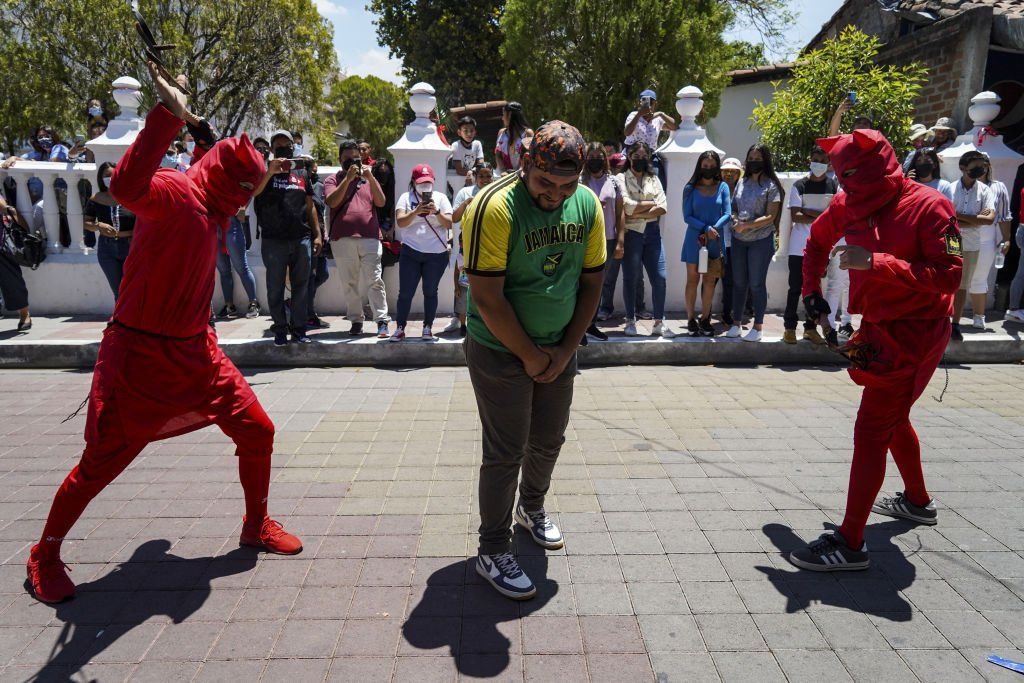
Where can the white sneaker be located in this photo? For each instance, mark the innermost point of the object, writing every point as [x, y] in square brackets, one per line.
[452, 327]
[1015, 315]
[662, 330]
[979, 322]
[753, 336]
[428, 336]
[734, 332]
[503, 572]
[631, 328]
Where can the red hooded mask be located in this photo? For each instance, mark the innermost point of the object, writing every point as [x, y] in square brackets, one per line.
[878, 177]
[218, 172]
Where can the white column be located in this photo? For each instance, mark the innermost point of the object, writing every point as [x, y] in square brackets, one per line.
[420, 144]
[121, 131]
[680, 154]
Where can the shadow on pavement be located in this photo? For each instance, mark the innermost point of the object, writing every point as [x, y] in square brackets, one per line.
[875, 591]
[107, 609]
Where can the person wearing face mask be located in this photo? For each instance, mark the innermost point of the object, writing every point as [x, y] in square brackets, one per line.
[926, 171]
[919, 139]
[608, 188]
[94, 112]
[483, 175]
[809, 197]
[758, 202]
[423, 217]
[115, 225]
[12, 282]
[976, 213]
[160, 372]
[535, 253]
[644, 203]
[943, 134]
[903, 255]
[707, 209]
[297, 142]
[290, 238]
[354, 198]
[732, 171]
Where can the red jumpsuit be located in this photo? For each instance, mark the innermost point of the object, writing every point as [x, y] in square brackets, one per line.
[160, 372]
[906, 300]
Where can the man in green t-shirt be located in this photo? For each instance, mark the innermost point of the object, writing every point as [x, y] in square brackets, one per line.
[534, 249]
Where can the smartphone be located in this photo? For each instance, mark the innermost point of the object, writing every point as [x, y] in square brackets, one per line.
[79, 140]
[645, 102]
[851, 97]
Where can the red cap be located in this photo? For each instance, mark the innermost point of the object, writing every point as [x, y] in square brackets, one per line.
[422, 173]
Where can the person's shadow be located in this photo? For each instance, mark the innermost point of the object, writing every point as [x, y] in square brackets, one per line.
[875, 591]
[462, 612]
[107, 609]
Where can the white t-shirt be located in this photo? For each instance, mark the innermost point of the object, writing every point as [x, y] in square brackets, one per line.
[465, 193]
[801, 198]
[645, 131]
[425, 234]
[972, 202]
[943, 187]
[467, 155]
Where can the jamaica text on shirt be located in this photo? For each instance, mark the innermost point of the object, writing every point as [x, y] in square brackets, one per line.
[563, 233]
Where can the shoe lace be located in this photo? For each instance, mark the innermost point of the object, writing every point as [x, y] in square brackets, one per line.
[540, 518]
[892, 500]
[272, 529]
[506, 562]
[824, 545]
[51, 568]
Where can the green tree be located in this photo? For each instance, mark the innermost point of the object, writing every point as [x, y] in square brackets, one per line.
[744, 55]
[584, 61]
[801, 109]
[368, 108]
[250, 62]
[451, 44]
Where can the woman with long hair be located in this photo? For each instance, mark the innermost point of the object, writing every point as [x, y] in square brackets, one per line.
[114, 224]
[707, 208]
[758, 212]
[597, 175]
[509, 149]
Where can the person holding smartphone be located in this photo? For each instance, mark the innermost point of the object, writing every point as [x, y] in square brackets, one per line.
[424, 218]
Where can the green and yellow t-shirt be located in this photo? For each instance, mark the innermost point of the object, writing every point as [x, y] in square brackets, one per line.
[541, 255]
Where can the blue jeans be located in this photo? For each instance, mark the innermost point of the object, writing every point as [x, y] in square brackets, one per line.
[644, 251]
[235, 258]
[611, 277]
[111, 254]
[414, 266]
[319, 276]
[750, 261]
[292, 257]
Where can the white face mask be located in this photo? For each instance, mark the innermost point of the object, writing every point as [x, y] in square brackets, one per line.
[298, 148]
[818, 170]
[189, 146]
[95, 111]
[425, 189]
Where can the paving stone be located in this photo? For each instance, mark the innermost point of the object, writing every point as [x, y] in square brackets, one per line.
[729, 632]
[601, 598]
[875, 665]
[369, 637]
[561, 668]
[612, 668]
[938, 666]
[806, 666]
[671, 633]
[967, 629]
[657, 598]
[544, 635]
[697, 667]
[793, 631]
[714, 597]
[308, 638]
[747, 666]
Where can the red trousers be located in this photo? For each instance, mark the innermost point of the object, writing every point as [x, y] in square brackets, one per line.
[251, 430]
[910, 351]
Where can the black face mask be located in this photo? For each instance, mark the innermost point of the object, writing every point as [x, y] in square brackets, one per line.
[314, 177]
[595, 165]
[755, 166]
[640, 165]
[924, 170]
[708, 173]
[976, 172]
[284, 152]
[265, 153]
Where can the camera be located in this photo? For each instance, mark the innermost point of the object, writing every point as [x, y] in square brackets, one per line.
[646, 102]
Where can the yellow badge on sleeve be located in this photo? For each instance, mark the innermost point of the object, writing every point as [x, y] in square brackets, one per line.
[954, 247]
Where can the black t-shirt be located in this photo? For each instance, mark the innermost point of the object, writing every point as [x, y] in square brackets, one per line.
[116, 215]
[281, 207]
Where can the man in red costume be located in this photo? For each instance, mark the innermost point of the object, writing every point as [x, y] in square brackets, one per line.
[159, 372]
[903, 246]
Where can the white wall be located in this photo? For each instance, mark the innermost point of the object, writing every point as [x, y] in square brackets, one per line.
[731, 129]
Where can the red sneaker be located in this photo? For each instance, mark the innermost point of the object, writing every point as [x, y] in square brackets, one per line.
[271, 537]
[50, 583]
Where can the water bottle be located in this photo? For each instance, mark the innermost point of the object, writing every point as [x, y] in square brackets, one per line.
[1000, 256]
[702, 260]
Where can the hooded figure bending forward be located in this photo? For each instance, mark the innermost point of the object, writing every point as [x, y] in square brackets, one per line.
[160, 372]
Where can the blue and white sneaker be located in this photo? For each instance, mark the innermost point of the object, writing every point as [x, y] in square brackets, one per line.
[503, 572]
[830, 554]
[540, 526]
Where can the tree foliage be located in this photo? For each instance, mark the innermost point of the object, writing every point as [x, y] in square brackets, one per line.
[368, 108]
[250, 62]
[585, 61]
[451, 44]
[801, 109]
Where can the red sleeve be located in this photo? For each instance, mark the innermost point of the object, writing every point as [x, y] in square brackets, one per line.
[135, 182]
[825, 232]
[941, 264]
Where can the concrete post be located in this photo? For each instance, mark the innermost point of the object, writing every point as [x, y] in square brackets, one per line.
[680, 154]
[420, 144]
[122, 130]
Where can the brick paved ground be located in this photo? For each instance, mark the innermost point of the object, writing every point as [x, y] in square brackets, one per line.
[678, 489]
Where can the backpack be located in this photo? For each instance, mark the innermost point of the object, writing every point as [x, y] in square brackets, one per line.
[27, 249]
